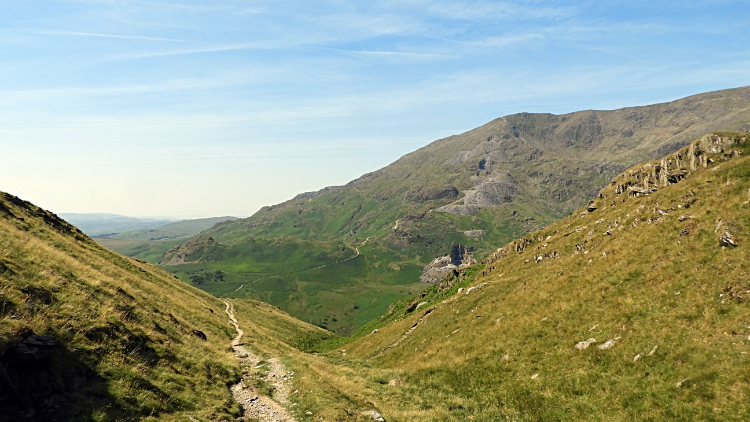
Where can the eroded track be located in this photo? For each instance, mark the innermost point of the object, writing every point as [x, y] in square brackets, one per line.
[271, 372]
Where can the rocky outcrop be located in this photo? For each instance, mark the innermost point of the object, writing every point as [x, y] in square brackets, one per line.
[441, 267]
[464, 210]
[490, 193]
[647, 178]
[189, 252]
[427, 193]
[31, 349]
[313, 194]
[475, 233]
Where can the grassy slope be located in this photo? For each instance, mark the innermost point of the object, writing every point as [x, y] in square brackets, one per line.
[559, 162]
[126, 347]
[661, 285]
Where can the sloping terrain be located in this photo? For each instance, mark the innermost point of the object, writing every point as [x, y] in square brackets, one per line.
[86, 334]
[634, 307]
[479, 189]
[100, 224]
[174, 230]
[151, 244]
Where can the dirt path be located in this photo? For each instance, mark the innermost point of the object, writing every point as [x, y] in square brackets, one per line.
[254, 405]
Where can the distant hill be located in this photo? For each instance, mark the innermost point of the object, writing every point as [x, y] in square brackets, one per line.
[151, 244]
[479, 189]
[98, 224]
[174, 230]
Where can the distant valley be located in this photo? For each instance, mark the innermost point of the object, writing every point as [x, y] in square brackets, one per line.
[479, 189]
[101, 224]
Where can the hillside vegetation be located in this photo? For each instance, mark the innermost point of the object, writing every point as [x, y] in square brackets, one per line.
[507, 178]
[634, 307]
[86, 334]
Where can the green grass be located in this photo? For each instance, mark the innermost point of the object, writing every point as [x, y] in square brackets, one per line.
[653, 288]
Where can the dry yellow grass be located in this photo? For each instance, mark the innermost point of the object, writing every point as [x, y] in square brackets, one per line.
[126, 348]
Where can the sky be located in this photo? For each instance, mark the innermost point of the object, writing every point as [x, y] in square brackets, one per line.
[191, 109]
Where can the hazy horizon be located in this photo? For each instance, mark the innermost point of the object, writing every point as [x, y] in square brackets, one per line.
[205, 109]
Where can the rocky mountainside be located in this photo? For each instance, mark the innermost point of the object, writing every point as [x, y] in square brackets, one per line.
[634, 307]
[548, 163]
[478, 189]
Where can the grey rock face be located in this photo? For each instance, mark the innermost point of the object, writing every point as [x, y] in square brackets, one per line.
[464, 210]
[491, 193]
[437, 270]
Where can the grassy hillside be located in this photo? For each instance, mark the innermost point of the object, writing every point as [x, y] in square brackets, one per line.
[646, 274]
[652, 276]
[119, 336]
[510, 177]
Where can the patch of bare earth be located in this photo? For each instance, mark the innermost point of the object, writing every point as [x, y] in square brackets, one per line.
[254, 405]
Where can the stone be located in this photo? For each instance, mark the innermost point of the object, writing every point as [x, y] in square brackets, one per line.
[394, 382]
[374, 331]
[606, 345]
[727, 239]
[31, 349]
[637, 357]
[585, 344]
[200, 334]
[374, 415]
[441, 267]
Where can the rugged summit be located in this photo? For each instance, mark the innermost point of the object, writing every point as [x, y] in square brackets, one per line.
[550, 163]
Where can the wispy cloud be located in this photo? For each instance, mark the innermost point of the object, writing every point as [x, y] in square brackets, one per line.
[125, 37]
[406, 54]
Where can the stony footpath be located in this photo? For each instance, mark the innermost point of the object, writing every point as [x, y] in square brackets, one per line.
[256, 406]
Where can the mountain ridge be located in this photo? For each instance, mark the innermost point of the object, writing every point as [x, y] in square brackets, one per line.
[513, 175]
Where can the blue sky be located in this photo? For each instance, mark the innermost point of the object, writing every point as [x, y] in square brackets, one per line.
[205, 108]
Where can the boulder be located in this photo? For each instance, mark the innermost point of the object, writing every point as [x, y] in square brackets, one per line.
[374, 415]
[31, 349]
[727, 239]
[200, 334]
[585, 344]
